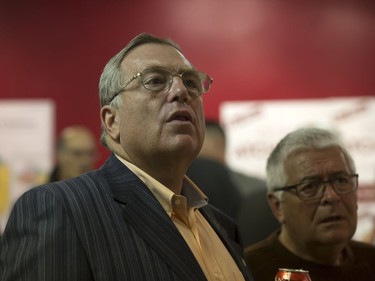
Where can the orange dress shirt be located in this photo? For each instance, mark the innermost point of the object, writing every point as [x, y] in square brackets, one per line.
[210, 252]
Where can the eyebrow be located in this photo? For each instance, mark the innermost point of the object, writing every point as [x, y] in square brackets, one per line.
[317, 177]
[169, 68]
[309, 178]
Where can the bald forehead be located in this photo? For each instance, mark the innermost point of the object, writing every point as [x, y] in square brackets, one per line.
[75, 131]
[154, 55]
[76, 135]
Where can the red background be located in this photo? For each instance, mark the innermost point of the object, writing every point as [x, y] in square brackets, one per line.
[254, 50]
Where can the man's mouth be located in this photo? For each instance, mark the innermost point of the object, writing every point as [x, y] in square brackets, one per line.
[180, 116]
[332, 219]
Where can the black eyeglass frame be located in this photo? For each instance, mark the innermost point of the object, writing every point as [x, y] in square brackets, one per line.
[139, 74]
[324, 183]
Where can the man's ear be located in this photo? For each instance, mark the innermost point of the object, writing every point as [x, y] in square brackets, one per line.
[276, 206]
[109, 118]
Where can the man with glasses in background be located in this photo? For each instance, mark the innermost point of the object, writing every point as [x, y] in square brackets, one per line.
[138, 217]
[312, 190]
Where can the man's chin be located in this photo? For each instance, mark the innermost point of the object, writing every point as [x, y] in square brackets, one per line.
[335, 238]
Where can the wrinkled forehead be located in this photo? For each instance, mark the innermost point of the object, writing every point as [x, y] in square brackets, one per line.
[154, 55]
[316, 160]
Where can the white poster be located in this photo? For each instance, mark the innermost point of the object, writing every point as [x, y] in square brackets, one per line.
[26, 148]
[253, 129]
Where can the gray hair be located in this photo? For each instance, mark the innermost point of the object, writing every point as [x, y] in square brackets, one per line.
[111, 80]
[301, 138]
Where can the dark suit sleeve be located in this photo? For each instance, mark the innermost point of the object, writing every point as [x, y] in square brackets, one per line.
[39, 242]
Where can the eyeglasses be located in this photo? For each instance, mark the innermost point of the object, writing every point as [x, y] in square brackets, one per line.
[158, 79]
[314, 189]
[79, 153]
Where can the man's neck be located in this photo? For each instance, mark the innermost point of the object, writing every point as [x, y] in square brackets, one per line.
[170, 176]
[328, 254]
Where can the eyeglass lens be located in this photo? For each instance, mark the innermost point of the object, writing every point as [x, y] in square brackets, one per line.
[195, 82]
[341, 184]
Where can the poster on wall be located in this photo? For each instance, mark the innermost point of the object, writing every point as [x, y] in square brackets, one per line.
[253, 129]
[26, 148]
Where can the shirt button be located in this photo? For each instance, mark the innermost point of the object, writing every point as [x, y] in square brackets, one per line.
[177, 202]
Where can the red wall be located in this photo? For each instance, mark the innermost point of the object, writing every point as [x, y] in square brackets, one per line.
[253, 49]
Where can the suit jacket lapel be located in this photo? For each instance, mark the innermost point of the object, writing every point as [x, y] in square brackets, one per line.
[236, 251]
[144, 213]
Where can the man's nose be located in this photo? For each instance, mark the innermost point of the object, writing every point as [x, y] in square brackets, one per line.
[329, 193]
[179, 91]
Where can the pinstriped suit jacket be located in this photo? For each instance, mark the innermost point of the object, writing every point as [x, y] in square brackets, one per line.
[104, 225]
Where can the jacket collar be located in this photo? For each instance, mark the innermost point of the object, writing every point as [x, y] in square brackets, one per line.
[144, 214]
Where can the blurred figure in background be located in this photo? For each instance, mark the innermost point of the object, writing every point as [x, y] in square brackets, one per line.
[241, 196]
[76, 153]
[211, 173]
[312, 183]
[215, 181]
[215, 142]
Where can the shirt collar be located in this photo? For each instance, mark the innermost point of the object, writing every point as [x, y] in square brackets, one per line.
[195, 197]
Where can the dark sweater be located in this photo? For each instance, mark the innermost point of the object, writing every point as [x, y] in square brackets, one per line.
[266, 257]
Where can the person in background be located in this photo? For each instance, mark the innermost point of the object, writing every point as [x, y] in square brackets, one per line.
[138, 217]
[211, 173]
[313, 182]
[214, 178]
[241, 196]
[76, 153]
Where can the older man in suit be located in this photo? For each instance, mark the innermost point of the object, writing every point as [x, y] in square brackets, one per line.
[138, 217]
